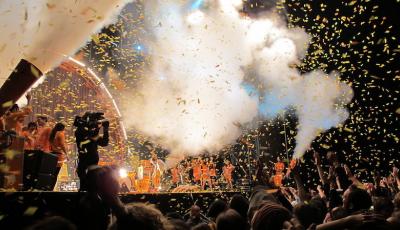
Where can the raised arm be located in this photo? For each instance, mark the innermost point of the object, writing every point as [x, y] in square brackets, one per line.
[299, 183]
[321, 174]
[352, 177]
[395, 174]
[103, 141]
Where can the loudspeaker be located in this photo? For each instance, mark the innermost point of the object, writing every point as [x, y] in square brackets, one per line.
[45, 181]
[48, 163]
[39, 170]
[32, 161]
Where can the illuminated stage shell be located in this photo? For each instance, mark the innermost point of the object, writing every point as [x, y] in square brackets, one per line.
[70, 90]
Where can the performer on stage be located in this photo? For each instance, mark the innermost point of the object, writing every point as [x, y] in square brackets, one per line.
[157, 171]
[140, 171]
[227, 172]
[196, 168]
[29, 133]
[279, 168]
[176, 176]
[213, 172]
[205, 175]
[58, 146]
[42, 141]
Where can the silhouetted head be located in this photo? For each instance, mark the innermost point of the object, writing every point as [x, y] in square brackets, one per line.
[383, 206]
[338, 213]
[240, 204]
[57, 128]
[270, 216]
[357, 200]
[306, 214]
[142, 216]
[178, 224]
[41, 120]
[320, 205]
[14, 108]
[195, 211]
[216, 207]
[53, 223]
[230, 220]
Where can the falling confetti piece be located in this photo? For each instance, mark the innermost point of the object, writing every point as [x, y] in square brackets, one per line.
[30, 211]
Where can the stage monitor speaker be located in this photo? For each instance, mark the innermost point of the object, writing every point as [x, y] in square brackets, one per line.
[39, 168]
[48, 163]
[45, 181]
[32, 160]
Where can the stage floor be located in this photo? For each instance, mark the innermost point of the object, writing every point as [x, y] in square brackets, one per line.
[19, 209]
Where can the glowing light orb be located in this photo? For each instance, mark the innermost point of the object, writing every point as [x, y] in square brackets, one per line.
[123, 173]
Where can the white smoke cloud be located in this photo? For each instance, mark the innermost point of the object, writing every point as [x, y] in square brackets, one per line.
[44, 31]
[194, 96]
[192, 100]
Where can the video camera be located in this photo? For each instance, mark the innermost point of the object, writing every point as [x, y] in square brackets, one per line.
[90, 123]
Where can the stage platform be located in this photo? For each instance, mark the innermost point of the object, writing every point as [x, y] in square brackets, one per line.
[19, 209]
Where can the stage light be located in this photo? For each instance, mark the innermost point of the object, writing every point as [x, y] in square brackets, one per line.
[123, 173]
[139, 47]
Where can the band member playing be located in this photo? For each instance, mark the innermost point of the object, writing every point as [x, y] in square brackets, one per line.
[205, 175]
[157, 171]
[227, 172]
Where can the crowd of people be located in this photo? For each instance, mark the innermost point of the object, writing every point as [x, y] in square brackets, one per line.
[341, 201]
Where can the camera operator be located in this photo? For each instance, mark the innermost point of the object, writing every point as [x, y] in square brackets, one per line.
[87, 140]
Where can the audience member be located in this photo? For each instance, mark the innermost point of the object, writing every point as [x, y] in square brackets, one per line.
[230, 220]
[240, 204]
[270, 216]
[53, 223]
[142, 216]
[216, 207]
[195, 216]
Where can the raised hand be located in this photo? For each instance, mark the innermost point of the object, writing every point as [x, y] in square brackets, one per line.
[317, 158]
[395, 172]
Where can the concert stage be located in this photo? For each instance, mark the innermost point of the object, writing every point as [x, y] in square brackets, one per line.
[35, 205]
